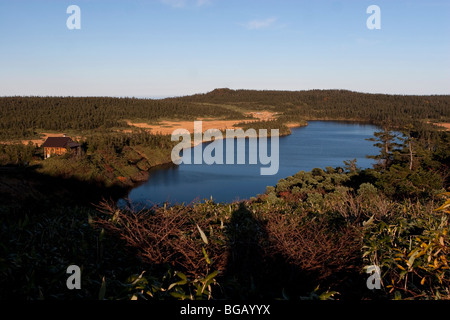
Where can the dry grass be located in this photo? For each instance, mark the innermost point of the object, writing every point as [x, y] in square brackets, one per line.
[444, 125]
[167, 127]
[44, 136]
[293, 125]
[170, 236]
[314, 246]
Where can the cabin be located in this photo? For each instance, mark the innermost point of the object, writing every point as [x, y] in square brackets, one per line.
[59, 146]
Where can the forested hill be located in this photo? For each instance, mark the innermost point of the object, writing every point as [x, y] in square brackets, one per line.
[25, 117]
[21, 117]
[334, 104]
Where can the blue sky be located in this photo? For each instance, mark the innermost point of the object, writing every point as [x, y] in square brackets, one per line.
[160, 48]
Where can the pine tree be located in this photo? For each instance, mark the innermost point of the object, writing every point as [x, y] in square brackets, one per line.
[386, 141]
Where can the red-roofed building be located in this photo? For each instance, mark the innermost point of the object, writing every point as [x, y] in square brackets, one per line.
[59, 145]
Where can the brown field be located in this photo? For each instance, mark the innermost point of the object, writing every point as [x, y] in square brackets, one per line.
[167, 127]
[293, 124]
[445, 125]
[45, 135]
[264, 115]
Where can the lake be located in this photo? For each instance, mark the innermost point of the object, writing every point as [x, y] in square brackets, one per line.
[320, 144]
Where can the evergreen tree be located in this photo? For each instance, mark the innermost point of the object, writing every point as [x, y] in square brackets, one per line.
[387, 142]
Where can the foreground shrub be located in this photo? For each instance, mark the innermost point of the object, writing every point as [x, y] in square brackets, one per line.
[187, 240]
[317, 248]
[411, 247]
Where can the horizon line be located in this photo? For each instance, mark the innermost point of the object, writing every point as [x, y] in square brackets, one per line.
[162, 97]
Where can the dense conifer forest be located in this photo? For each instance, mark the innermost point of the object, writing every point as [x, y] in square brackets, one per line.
[22, 117]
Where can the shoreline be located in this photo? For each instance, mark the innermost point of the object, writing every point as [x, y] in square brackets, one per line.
[289, 125]
[137, 182]
[127, 183]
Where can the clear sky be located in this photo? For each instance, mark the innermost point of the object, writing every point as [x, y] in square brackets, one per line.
[161, 48]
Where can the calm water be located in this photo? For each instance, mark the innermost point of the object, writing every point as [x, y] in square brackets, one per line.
[318, 145]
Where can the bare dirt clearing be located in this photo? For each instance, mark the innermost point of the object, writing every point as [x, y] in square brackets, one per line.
[45, 135]
[445, 125]
[167, 127]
